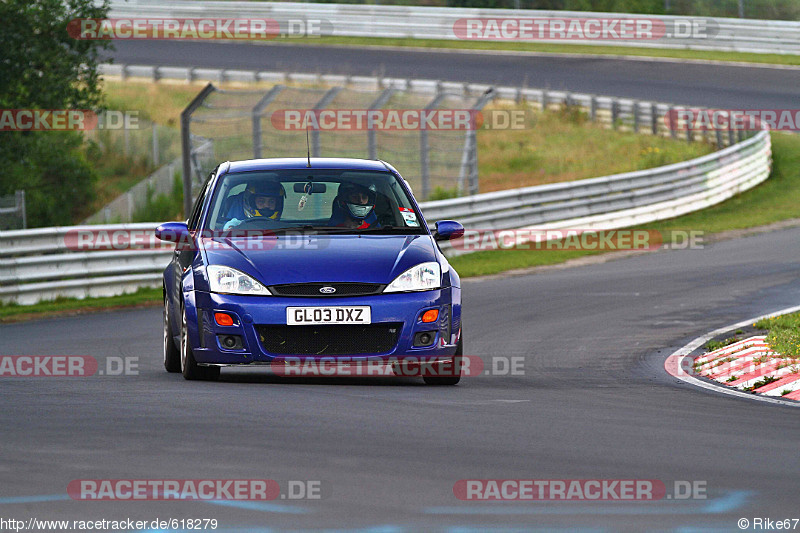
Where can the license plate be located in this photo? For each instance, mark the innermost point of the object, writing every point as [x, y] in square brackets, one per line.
[328, 315]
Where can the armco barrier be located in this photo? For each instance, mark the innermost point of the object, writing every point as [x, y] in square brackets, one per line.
[38, 265]
[417, 22]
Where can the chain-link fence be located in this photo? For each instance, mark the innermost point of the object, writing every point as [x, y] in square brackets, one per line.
[247, 124]
[12, 212]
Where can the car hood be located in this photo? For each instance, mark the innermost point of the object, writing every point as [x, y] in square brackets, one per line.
[321, 258]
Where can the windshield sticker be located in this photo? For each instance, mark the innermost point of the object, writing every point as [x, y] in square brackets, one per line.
[409, 216]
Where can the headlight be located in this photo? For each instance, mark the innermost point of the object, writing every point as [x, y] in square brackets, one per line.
[423, 277]
[231, 281]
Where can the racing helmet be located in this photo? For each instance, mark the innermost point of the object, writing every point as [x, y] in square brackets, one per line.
[264, 199]
[357, 199]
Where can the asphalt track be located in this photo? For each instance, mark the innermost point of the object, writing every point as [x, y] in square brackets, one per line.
[594, 403]
[715, 86]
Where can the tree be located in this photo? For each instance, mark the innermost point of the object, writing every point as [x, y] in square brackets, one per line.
[42, 67]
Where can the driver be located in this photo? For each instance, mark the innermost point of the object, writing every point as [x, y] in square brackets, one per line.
[260, 199]
[355, 207]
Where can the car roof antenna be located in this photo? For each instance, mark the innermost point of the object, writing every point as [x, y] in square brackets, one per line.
[308, 149]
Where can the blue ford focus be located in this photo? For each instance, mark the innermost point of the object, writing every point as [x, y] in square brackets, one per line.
[320, 259]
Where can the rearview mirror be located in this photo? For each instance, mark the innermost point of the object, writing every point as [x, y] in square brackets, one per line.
[447, 230]
[310, 188]
[172, 231]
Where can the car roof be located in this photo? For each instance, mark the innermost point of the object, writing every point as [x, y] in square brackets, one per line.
[289, 163]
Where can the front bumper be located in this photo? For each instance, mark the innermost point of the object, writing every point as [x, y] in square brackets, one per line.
[401, 310]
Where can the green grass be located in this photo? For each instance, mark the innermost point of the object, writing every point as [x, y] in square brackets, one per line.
[783, 333]
[776, 59]
[565, 145]
[59, 306]
[774, 200]
[716, 345]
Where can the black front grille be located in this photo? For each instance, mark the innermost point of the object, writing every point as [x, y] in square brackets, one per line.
[312, 290]
[347, 339]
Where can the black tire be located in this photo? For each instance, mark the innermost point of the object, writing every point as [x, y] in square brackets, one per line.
[189, 367]
[449, 380]
[172, 354]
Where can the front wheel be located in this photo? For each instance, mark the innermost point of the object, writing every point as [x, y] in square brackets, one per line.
[189, 367]
[456, 377]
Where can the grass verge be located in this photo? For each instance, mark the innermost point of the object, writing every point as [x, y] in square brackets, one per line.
[69, 306]
[783, 334]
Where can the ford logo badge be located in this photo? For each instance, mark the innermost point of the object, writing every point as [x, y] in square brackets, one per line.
[327, 290]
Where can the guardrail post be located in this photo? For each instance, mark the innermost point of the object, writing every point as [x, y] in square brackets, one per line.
[614, 113]
[593, 108]
[380, 101]
[654, 119]
[673, 124]
[635, 116]
[186, 145]
[20, 201]
[322, 104]
[256, 118]
[731, 140]
[689, 132]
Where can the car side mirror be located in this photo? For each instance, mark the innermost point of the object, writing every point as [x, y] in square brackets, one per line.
[447, 230]
[172, 231]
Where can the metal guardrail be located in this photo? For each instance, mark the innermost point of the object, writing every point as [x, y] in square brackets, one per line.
[38, 264]
[417, 22]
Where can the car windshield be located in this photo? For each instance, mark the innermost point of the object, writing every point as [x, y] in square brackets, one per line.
[319, 200]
